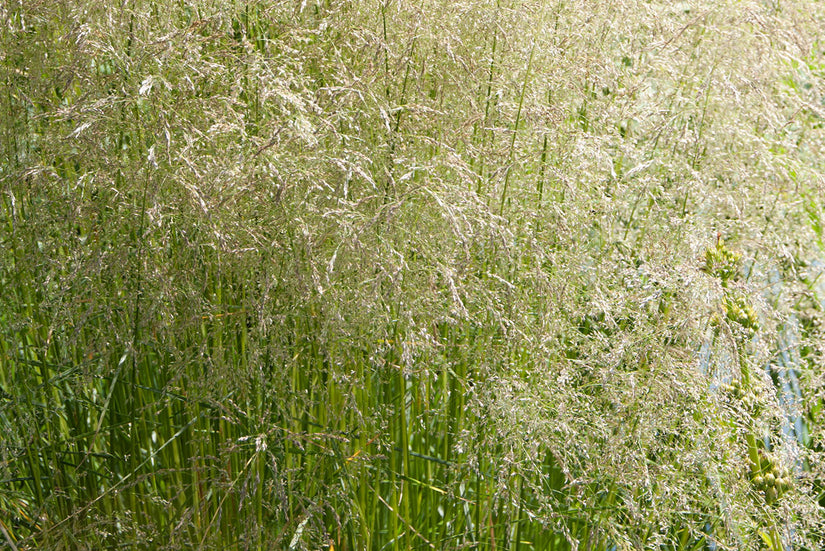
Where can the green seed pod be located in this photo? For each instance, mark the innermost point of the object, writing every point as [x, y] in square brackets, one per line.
[783, 484]
[759, 482]
[771, 495]
[770, 480]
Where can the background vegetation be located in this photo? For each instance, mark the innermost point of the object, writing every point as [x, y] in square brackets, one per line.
[392, 275]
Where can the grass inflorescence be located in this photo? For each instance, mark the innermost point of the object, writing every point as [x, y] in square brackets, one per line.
[382, 275]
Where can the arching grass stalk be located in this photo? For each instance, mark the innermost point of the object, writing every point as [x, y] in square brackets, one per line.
[488, 94]
[511, 156]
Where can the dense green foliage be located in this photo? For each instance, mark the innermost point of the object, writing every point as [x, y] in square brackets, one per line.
[385, 274]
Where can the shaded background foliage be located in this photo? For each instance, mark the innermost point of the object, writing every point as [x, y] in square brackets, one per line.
[383, 274]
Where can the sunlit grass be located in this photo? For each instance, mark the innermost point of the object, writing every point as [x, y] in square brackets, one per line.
[333, 275]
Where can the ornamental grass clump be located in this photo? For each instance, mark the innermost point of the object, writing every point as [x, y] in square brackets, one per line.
[373, 275]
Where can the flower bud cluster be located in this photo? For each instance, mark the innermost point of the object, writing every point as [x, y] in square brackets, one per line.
[749, 399]
[739, 311]
[721, 262]
[769, 477]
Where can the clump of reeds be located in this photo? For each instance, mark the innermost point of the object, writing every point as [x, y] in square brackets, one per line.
[379, 275]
